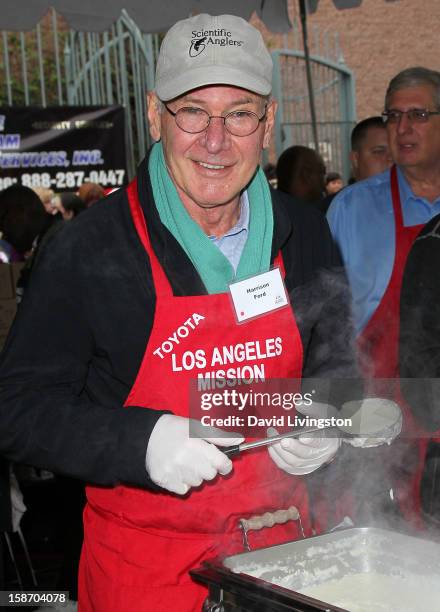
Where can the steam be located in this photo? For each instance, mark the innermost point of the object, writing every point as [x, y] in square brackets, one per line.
[323, 312]
[368, 484]
[322, 309]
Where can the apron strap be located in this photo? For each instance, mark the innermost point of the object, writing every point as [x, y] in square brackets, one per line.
[397, 206]
[405, 236]
[161, 282]
[279, 262]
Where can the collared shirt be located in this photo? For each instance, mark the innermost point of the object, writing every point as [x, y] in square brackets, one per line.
[232, 243]
[361, 220]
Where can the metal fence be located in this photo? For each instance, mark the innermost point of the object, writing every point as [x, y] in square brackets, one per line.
[334, 103]
[333, 87]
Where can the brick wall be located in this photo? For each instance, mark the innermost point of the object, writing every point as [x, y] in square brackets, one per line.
[377, 39]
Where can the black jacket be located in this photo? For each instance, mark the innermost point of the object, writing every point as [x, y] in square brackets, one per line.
[82, 329]
[420, 327]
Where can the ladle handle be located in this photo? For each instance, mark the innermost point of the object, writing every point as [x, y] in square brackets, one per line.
[231, 451]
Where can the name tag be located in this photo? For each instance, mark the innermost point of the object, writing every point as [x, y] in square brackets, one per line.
[258, 295]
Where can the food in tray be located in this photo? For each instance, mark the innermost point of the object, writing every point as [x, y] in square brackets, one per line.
[360, 569]
[378, 593]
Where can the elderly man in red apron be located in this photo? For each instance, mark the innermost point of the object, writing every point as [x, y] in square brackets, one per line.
[211, 116]
[149, 307]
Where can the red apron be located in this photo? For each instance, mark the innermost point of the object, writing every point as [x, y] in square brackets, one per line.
[379, 356]
[138, 544]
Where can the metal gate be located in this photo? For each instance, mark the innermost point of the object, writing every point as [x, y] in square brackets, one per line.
[54, 65]
[333, 87]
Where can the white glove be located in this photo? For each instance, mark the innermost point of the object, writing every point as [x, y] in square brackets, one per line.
[306, 454]
[177, 462]
[17, 505]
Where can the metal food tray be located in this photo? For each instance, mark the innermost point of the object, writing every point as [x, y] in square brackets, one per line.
[280, 571]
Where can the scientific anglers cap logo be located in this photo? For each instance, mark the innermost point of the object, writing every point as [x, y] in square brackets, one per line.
[202, 38]
[197, 46]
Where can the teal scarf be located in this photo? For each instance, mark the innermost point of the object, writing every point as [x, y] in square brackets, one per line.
[213, 267]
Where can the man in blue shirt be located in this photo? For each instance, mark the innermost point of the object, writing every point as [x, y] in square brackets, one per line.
[361, 216]
[362, 222]
[375, 223]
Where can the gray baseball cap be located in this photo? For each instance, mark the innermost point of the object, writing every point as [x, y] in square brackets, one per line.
[206, 50]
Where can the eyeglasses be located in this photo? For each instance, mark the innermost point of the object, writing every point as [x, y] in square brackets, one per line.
[238, 123]
[415, 115]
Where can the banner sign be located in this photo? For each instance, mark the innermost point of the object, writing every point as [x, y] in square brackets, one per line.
[61, 147]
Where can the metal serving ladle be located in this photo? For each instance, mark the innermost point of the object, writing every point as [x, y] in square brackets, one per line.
[373, 421]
